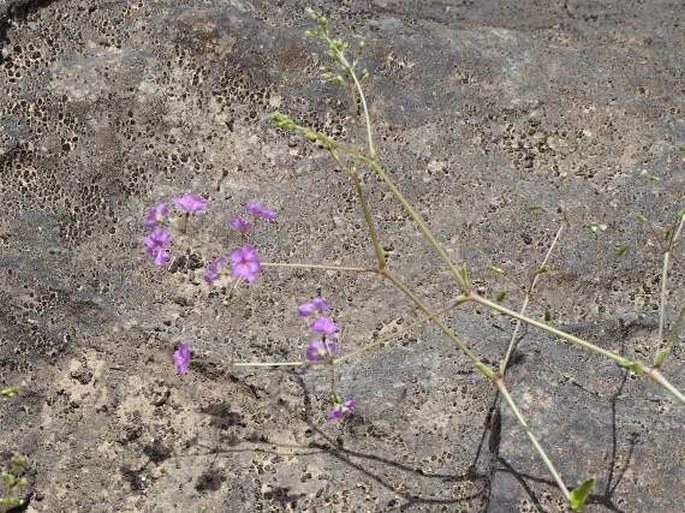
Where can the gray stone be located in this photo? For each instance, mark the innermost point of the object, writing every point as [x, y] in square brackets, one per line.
[494, 117]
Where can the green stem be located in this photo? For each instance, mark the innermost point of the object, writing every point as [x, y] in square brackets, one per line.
[417, 219]
[662, 353]
[382, 340]
[664, 277]
[658, 378]
[362, 98]
[373, 234]
[319, 266]
[550, 329]
[271, 364]
[330, 143]
[499, 382]
[526, 300]
[480, 366]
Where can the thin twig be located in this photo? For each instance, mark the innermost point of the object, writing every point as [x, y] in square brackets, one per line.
[319, 266]
[526, 299]
[400, 332]
[664, 277]
[499, 382]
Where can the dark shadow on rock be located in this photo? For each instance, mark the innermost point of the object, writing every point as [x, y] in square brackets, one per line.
[15, 11]
[613, 480]
[333, 447]
[210, 481]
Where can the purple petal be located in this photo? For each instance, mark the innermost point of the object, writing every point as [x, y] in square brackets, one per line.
[320, 304]
[182, 358]
[242, 225]
[156, 244]
[324, 325]
[214, 268]
[245, 263]
[258, 210]
[306, 309]
[340, 408]
[161, 257]
[156, 214]
[190, 202]
[321, 350]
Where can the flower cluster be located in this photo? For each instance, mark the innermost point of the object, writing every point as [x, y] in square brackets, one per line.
[158, 239]
[324, 348]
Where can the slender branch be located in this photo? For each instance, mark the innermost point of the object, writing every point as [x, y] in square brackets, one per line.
[661, 355]
[659, 378]
[362, 98]
[499, 382]
[480, 366]
[526, 299]
[319, 266]
[330, 143]
[633, 366]
[272, 364]
[371, 226]
[382, 340]
[664, 277]
[550, 329]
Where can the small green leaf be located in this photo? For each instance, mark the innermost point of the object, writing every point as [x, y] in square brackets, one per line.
[597, 227]
[634, 367]
[464, 273]
[501, 295]
[534, 207]
[10, 502]
[660, 357]
[621, 250]
[282, 121]
[650, 177]
[543, 270]
[11, 391]
[548, 314]
[641, 218]
[681, 147]
[17, 463]
[495, 269]
[681, 212]
[579, 494]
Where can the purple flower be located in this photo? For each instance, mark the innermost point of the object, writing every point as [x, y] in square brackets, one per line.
[321, 350]
[245, 263]
[324, 325]
[317, 304]
[157, 243]
[254, 208]
[341, 407]
[155, 215]
[242, 225]
[190, 202]
[182, 358]
[213, 269]
[305, 309]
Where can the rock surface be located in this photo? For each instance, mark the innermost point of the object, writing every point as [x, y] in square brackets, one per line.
[499, 119]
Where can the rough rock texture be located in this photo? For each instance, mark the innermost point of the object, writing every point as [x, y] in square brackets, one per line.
[495, 118]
